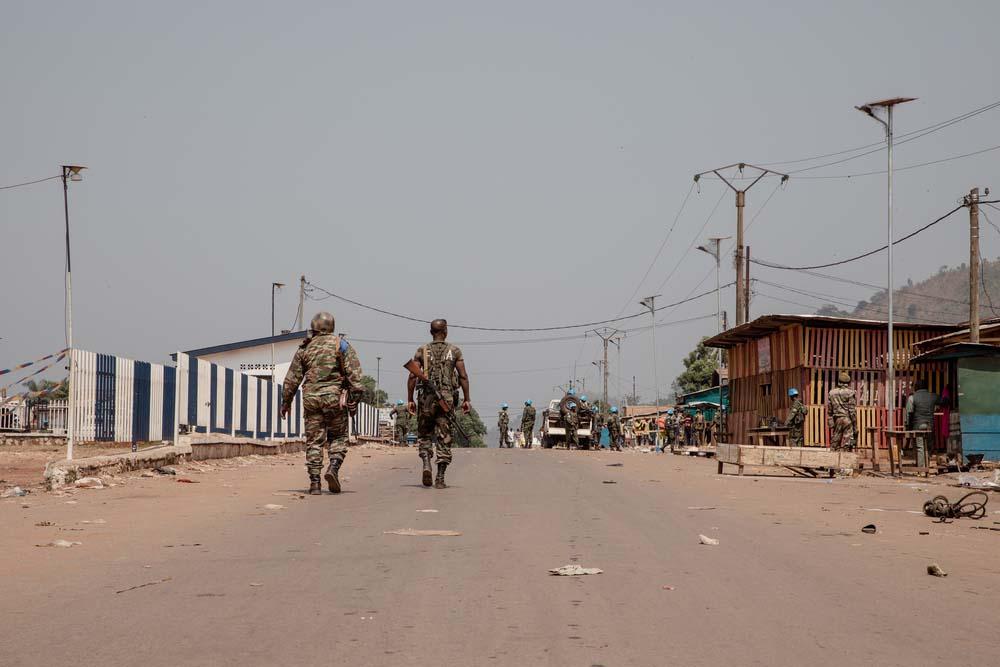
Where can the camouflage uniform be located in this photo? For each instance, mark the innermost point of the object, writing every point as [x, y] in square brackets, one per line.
[699, 428]
[528, 424]
[841, 416]
[503, 424]
[433, 428]
[326, 366]
[596, 425]
[571, 420]
[796, 423]
[615, 432]
[402, 423]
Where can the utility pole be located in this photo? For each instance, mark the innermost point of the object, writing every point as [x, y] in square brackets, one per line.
[746, 282]
[378, 379]
[741, 308]
[606, 335]
[70, 173]
[650, 302]
[972, 202]
[890, 371]
[302, 302]
[274, 289]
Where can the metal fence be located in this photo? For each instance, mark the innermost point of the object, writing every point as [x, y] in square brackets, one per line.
[123, 400]
[37, 417]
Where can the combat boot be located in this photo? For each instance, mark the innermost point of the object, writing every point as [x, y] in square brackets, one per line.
[315, 488]
[332, 477]
[427, 470]
[439, 482]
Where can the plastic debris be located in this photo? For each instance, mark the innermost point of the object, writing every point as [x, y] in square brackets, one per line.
[616, 465]
[165, 470]
[97, 521]
[609, 481]
[708, 541]
[574, 571]
[870, 529]
[412, 532]
[702, 508]
[668, 588]
[272, 506]
[16, 492]
[151, 583]
[255, 584]
[973, 482]
[935, 570]
[187, 480]
[89, 483]
[42, 524]
[62, 544]
[428, 511]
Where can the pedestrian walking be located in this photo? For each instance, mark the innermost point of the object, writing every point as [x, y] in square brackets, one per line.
[330, 373]
[528, 423]
[402, 417]
[503, 425]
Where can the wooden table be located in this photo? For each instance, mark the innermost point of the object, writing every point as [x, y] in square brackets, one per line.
[760, 436]
[897, 443]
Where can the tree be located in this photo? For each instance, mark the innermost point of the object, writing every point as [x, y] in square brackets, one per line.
[472, 425]
[54, 390]
[698, 368]
[371, 397]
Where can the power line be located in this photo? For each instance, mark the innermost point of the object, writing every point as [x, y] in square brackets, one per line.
[840, 301]
[693, 241]
[21, 185]
[501, 329]
[775, 265]
[904, 168]
[924, 131]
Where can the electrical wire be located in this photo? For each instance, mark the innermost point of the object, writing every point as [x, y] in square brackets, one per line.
[694, 240]
[469, 327]
[840, 301]
[21, 185]
[924, 130]
[775, 265]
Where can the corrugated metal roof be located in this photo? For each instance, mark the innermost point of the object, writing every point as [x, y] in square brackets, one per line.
[986, 331]
[767, 324]
[957, 351]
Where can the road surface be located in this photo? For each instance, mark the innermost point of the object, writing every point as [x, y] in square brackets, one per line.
[203, 574]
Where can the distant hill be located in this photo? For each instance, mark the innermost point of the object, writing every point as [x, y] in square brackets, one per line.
[944, 297]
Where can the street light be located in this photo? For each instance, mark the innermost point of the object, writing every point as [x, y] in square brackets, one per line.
[716, 253]
[70, 172]
[378, 379]
[890, 373]
[274, 289]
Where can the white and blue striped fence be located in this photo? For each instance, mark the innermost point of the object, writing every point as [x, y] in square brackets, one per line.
[122, 400]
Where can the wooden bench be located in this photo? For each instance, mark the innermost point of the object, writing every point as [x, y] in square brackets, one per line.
[803, 461]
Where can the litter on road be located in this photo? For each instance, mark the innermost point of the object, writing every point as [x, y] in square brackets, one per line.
[412, 532]
[870, 529]
[151, 583]
[272, 506]
[708, 541]
[429, 511]
[702, 508]
[89, 483]
[935, 570]
[16, 492]
[574, 571]
[610, 481]
[62, 544]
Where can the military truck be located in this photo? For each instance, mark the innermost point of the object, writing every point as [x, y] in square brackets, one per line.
[554, 430]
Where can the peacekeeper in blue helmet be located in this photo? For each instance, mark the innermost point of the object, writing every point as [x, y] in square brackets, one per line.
[796, 421]
[615, 430]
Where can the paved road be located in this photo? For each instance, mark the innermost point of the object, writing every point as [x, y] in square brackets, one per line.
[319, 583]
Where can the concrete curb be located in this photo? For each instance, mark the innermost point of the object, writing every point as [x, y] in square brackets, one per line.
[61, 473]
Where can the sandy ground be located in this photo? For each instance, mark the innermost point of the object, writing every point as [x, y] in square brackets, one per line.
[175, 573]
[24, 464]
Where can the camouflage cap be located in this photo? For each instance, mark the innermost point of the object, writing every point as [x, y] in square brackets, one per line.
[322, 322]
[844, 377]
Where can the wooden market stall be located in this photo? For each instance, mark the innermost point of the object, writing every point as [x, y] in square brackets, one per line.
[774, 353]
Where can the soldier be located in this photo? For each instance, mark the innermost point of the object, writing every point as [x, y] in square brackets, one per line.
[528, 423]
[402, 422]
[615, 430]
[796, 420]
[444, 365]
[698, 424]
[331, 392]
[842, 413]
[571, 420]
[597, 427]
[503, 424]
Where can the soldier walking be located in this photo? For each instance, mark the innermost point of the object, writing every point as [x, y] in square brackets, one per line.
[568, 412]
[503, 424]
[796, 420]
[615, 430]
[699, 427]
[330, 394]
[444, 365]
[402, 422]
[528, 423]
[842, 413]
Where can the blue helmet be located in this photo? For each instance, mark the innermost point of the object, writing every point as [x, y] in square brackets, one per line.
[571, 405]
[614, 411]
[399, 402]
[528, 402]
[793, 392]
[571, 392]
[504, 406]
[670, 411]
[583, 398]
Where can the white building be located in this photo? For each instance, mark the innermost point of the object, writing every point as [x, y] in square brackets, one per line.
[254, 356]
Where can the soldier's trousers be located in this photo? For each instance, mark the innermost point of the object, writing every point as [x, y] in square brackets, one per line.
[528, 429]
[572, 437]
[796, 438]
[326, 426]
[433, 430]
[842, 433]
[401, 434]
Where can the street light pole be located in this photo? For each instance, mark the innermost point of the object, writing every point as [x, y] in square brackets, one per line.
[716, 253]
[890, 371]
[69, 173]
[378, 379]
[274, 289]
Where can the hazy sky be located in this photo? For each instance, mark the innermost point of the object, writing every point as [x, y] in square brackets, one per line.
[510, 164]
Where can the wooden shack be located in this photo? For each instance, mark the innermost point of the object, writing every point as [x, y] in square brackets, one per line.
[774, 353]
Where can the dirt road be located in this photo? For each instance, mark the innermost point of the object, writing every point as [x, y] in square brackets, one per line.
[203, 574]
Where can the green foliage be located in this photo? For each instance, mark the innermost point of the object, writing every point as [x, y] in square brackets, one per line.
[474, 426]
[698, 368]
[35, 386]
[379, 398]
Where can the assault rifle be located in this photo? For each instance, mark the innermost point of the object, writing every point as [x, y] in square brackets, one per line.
[414, 367]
